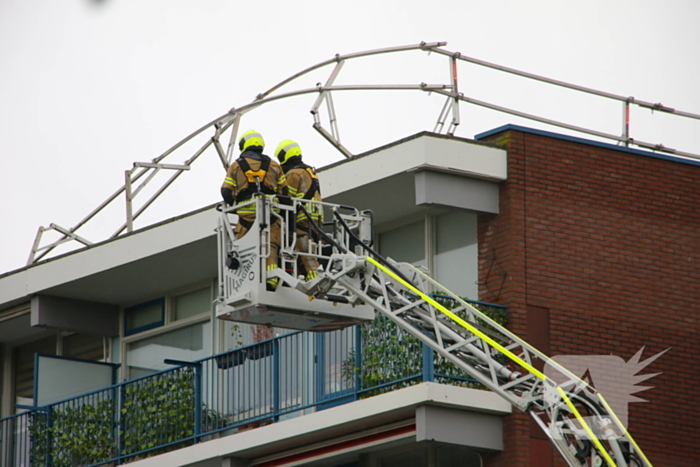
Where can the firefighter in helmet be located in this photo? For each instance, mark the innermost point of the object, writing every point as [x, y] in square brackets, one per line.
[250, 175]
[303, 184]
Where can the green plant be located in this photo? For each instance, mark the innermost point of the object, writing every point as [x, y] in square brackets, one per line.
[390, 354]
[39, 436]
[155, 411]
[158, 411]
[213, 420]
[79, 434]
[237, 334]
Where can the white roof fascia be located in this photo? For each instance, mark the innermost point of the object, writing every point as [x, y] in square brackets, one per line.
[422, 153]
[108, 255]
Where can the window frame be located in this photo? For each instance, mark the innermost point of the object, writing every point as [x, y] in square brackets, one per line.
[146, 327]
[430, 247]
[169, 323]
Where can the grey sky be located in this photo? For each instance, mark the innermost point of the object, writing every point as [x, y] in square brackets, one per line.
[88, 87]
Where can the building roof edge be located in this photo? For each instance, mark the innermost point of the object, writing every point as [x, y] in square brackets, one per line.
[575, 139]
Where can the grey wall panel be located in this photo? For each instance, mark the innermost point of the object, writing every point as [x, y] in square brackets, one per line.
[58, 378]
[75, 315]
[456, 191]
[471, 429]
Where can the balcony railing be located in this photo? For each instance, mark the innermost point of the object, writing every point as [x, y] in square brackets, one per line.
[263, 383]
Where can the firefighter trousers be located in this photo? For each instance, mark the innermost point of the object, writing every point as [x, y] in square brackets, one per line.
[245, 221]
[303, 245]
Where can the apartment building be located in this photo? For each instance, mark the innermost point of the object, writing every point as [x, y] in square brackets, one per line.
[583, 248]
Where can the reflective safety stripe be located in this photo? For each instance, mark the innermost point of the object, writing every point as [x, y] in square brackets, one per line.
[311, 276]
[596, 441]
[462, 322]
[290, 146]
[301, 216]
[622, 427]
[230, 181]
[293, 191]
[250, 209]
[282, 179]
[272, 280]
[250, 135]
[315, 214]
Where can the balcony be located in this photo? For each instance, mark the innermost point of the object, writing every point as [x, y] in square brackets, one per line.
[256, 385]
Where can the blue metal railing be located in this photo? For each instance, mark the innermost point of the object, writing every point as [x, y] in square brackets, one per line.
[273, 380]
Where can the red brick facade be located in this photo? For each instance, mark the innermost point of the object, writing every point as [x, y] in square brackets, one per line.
[604, 245]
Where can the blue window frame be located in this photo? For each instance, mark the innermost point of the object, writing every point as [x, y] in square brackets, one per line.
[145, 316]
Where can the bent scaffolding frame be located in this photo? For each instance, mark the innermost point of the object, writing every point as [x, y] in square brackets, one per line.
[230, 122]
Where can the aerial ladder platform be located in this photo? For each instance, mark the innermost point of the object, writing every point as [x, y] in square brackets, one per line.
[355, 282]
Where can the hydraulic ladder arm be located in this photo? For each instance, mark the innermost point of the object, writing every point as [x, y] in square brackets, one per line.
[577, 419]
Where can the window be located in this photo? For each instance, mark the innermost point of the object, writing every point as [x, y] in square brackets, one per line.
[445, 243]
[24, 364]
[192, 304]
[143, 317]
[456, 253]
[84, 346]
[405, 244]
[177, 327]
[189, 343]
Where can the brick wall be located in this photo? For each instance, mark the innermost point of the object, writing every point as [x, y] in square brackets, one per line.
[608, 243]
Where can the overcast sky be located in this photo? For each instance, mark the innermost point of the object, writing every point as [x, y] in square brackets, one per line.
[87, 87]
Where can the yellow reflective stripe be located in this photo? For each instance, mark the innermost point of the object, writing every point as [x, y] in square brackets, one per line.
[270, 267]
[315, 219]
[622, 427]
[585, 426]
[314, 215]
[282, 179]
[312, 209]
[230, 181]
[463, 323]
[293, 191]
[545, 358]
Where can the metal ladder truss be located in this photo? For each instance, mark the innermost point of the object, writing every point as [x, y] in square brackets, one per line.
[577, 419]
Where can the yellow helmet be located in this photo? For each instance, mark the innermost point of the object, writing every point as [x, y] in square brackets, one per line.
[286, 150]
[249, 139]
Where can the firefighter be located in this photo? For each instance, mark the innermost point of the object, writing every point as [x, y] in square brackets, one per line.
[251, 174]
[303, 184]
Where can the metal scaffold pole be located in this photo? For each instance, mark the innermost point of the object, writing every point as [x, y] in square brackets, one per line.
[230, 123]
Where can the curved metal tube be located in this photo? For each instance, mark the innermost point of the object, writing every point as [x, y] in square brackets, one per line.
[232, 118]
